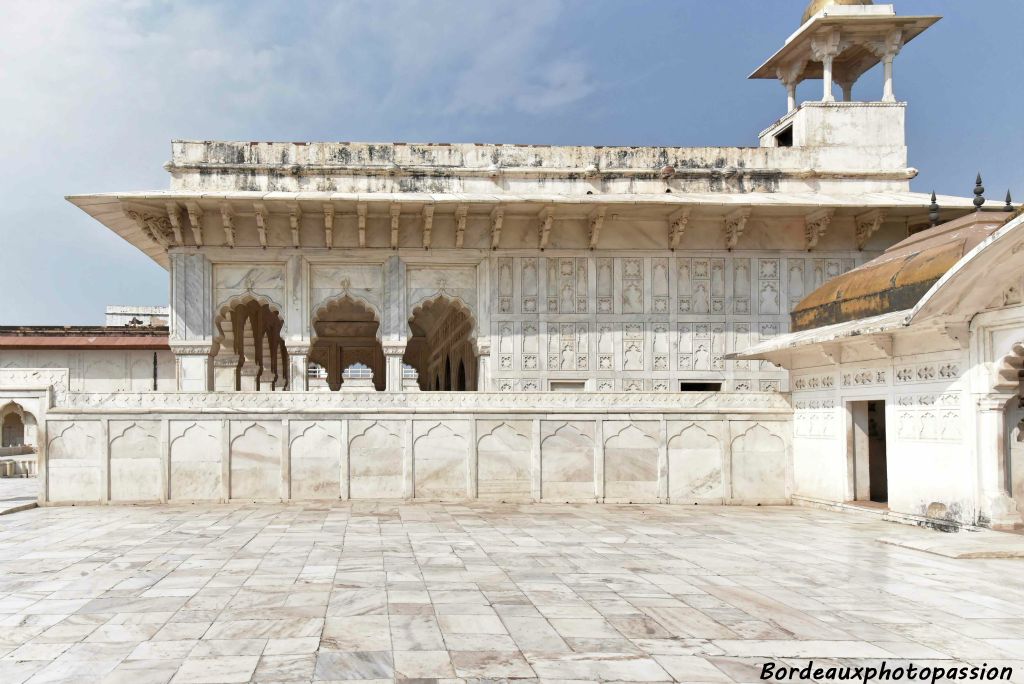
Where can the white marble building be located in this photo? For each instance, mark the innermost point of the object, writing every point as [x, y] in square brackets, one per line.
[538, 322]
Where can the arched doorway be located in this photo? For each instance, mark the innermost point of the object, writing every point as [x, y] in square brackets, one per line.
[251, 354]
[345, 333]
[440, 346]
[17, 426]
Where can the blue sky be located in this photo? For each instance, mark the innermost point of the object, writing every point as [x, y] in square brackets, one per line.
[93, 91]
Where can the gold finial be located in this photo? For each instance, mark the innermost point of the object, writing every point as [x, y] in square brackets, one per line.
[816, 6]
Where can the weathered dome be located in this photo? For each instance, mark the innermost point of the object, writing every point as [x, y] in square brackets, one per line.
[816, 6]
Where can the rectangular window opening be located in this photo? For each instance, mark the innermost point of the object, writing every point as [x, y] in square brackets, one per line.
[784, 138]
[700, 387]
[568, 385]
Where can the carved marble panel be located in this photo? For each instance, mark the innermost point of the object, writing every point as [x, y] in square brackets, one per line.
[73, 458]
[659, 286]
[632, 285]
[135, 460]
[440, 451]
[361, 282]
[758, 464]
[503, 459]
[267, 281]
[694, 464]
[769, 296]
[315, 458]
[375, 459]
[255, 460]
[504, 284]
[195, 460]
[530, 284]
[605, 286]
[741, 286]
[631, 461]
[567, 460]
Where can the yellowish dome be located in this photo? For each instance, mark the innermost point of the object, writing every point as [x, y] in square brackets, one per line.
[816, 6]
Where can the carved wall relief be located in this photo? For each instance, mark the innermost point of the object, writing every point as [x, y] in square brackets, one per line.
[504, 285]
[605, 286]
[632, 286]
[255, 453]
[769, 298]
[73, 457]
[135, 461]
[758, 464]
[606, 347]
[567, 461]
[315, 457]
[659, 286]
[633, 347]
[530, 284]
[741, 286]
[631, 461]
[440, 460]
[694, 464]
[195, 460]
[503, 460]
[375, 459]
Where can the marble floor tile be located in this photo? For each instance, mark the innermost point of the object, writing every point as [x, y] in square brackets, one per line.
[378, 591]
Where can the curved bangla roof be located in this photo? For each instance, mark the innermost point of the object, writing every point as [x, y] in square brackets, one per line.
[898, 278]
[975, 281]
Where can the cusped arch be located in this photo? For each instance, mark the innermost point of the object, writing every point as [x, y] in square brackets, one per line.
[324, 307]
[506, 430]
[200, 431]
[454, 301]
[693, 436]
[758, 439]
[439, 428]
[309, 432]
[633, 437]
[563, 432]
[241, 300]
[1009, 370]
[371, 433]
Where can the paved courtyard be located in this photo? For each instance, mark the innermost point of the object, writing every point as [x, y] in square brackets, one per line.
[385, 591]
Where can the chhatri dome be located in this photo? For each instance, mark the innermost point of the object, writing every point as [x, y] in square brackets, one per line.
[816, 6]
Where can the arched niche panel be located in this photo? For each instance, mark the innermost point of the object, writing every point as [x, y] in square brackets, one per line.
[375, 459]
[695, 463]
[503, 459]
[346, 331]
[567, 461]
[631, 460]
[315, 459]
[440, 452]
[196, 455]
[73, 457]
[256, 460]
[135, 461]
[758, 464]
[441, 345]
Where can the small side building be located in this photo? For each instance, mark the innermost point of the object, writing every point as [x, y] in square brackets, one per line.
[905, 378]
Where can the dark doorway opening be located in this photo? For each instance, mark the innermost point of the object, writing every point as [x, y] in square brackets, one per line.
[870, 464]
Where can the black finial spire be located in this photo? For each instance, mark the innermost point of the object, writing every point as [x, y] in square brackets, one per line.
[933, 211]
[1009, 201]
[979, 193]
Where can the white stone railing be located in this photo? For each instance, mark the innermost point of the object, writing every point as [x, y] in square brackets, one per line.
[414, 402]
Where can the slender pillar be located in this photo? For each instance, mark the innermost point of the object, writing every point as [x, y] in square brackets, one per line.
[887, 91]
[996, 503]
[790, 97]
[826, 66]
[483, 365]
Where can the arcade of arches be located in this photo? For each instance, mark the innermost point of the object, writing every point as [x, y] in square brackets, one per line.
[441, 348]
[252, 355]
[17, 427]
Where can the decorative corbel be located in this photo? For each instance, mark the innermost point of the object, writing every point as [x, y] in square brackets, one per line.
[735, 224]
[959, 332]
[460, 224]
[677, 226]
[887, 47]
[157, 228]
[329, 225]
[867, 225]
[497, 219]
[261, 222]
[815, 226]
[396, 215]
[227, 218]
[361, 219]
[428, 224]
[832, 351]
[882, 344]
[174, 216]
[195, 220]
[789, 76]
[546, 218]
[596, 222]
[295, 219]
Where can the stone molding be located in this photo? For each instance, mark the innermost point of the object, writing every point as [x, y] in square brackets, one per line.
[446, 402]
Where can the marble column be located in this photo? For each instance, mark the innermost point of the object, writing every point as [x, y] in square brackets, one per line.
[483, 365]
[191, 324]
[298, 364]
[996, 503]
[393, 353]
[193, 366]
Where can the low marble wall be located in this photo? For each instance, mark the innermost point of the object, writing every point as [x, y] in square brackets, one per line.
[641, 448]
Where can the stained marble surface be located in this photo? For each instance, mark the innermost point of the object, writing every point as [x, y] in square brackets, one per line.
[459, 592]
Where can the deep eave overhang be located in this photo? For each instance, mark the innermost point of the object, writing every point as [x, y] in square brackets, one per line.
[110, 208]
